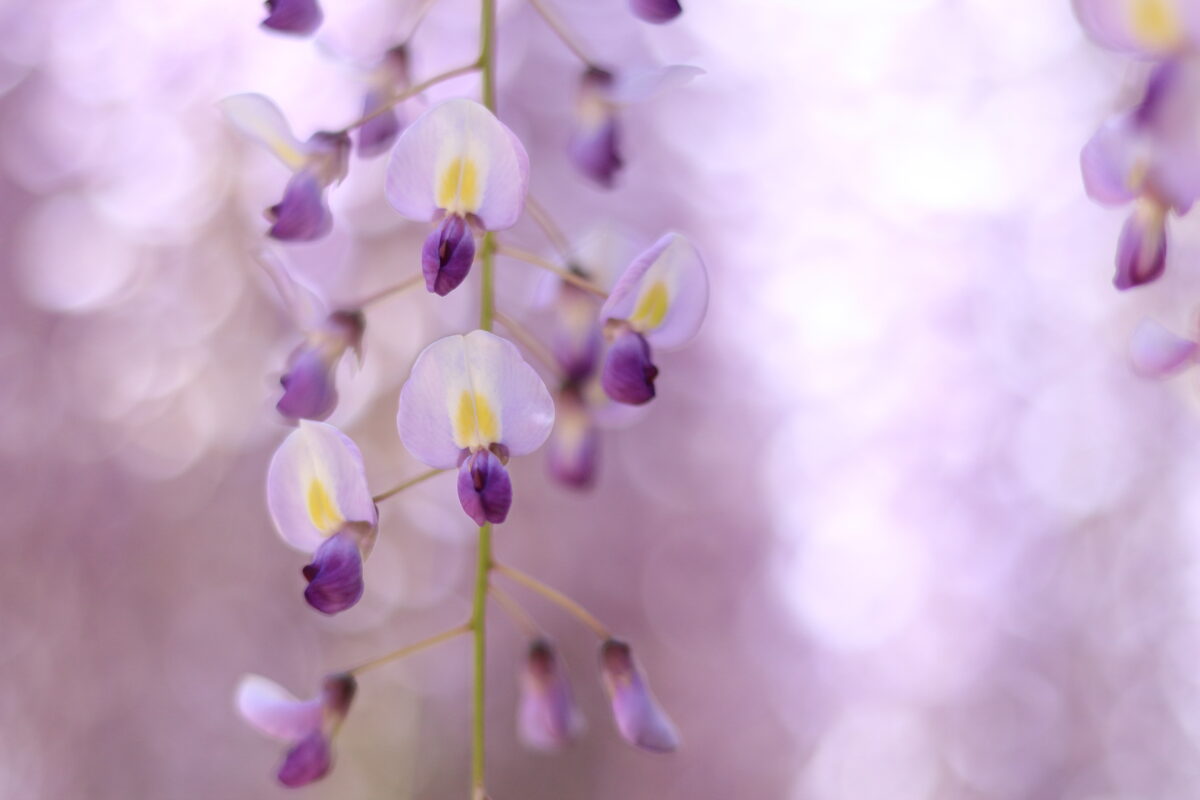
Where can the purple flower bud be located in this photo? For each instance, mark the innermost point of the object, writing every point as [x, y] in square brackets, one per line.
[376, 135]
[628, 375]
[572, 449]
[639, 719]
[596, 152]
[293, 16]
[547, 718]
[447, 255]
[1142, 248]
[484, 488]
[329, 155]
[308, 386]
[335, 576]
[656, 11]
[308, 760]
[301, 215]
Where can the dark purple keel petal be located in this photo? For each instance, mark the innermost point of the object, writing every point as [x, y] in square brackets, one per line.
[639, 719]
[335, 577]
[308, 760]
[301, 215]
[656, 11]
[377, 134]
[308, 386]
[338, 692]
[484, 488]
[1142, 248]
[596, 151]
[628, 374]
[547, 718]
[447, 255]
[293, 16]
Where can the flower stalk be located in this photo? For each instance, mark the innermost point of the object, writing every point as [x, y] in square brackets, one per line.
[562, 272]
[424, 476]
[556, 597]
[409, 650]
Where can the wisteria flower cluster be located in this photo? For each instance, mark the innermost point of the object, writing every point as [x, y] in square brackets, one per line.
[471, 402]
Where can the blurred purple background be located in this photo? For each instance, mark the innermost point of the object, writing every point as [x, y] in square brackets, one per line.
[902, 524]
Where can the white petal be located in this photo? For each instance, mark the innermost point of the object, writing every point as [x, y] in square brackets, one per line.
[663, 293]
[273, 710]
[261, 120]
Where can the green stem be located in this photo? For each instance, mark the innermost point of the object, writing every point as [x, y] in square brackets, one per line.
[479, 627]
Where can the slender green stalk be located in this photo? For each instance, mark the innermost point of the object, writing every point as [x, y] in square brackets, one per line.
[556, 597]
[411, 92]
[479, 627]
[424, 476]
[408, 650]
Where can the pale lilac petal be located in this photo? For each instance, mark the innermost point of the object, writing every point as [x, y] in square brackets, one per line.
[447, 255]
[1168, 116]
[577, 339]
[273, 710]
[1157, 352]
[458, 158]
[517, 411]
[595, 151]
[301, 299]
[1138, 27]
[639, 86]
[309, 760]
[1109, 162]
[663, 294]
[316, 484]
[628, 374]
[308, 385]
[1142, 248]
[547, 717]
[484, 488]
[377, 134]
[300, 17]
[639, 719]
[571, 452]
[261, 120]
[656, 11]
[335, 577]
[301, 215]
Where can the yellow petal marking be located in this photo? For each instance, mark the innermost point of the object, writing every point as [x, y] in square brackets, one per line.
[651, 307]
[458, 188]
[475, 424]
[322, 509]
[1156, 23]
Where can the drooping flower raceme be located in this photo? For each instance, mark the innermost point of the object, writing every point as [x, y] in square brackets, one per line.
[472, 402]
[1156, 352]
[300, 17]
[309, 725]
[639, 718]
[659, 300]
[315, 164]
[1144, 28]
[1150, 155]
[459, 166]
[318, 498]
[547, 717]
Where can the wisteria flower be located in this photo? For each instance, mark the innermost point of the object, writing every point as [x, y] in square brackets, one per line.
[595, 144]
[1146, 28]
[302, 214]
[660, 300]
[378, 133]
[1156, 352]
[459, 166]
[1151, 155]
[309, 725]
[300, 17]
[547, 717]
[656, 11]
[472, 402]
[639, 718]
[319, 501]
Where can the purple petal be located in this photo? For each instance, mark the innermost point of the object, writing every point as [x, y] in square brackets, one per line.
[376, 135]
[484, 488]
[547, 717]
[309, 760]
[448, 254]
[1170, 145]
[656, 11]
[293, 16]
[572, 450]
[628, 375]
[1109, 162]
[1142, 248]
[1157, 352]
[301, 215]
[329, 155]
[596, 152]
[274, 711]
[577, 338]
[335, 576]
[639, 719]
[663, 293]
[337, 693]
[308, 385]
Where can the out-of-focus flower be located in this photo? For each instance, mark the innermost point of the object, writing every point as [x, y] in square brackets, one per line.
[639, 718]
[1150, 154]
[595, 144]
[318, 498]
[547, 717]
[656, 11]
[309, 725]
[472, 402]
[378, 133]
[574, 446]
[460, 166]
[1156, 352]
[322, 160]
[660, 300]
[300, 17]
[1146, 28]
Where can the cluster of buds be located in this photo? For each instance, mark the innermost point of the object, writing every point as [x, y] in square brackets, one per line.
[471, 401]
